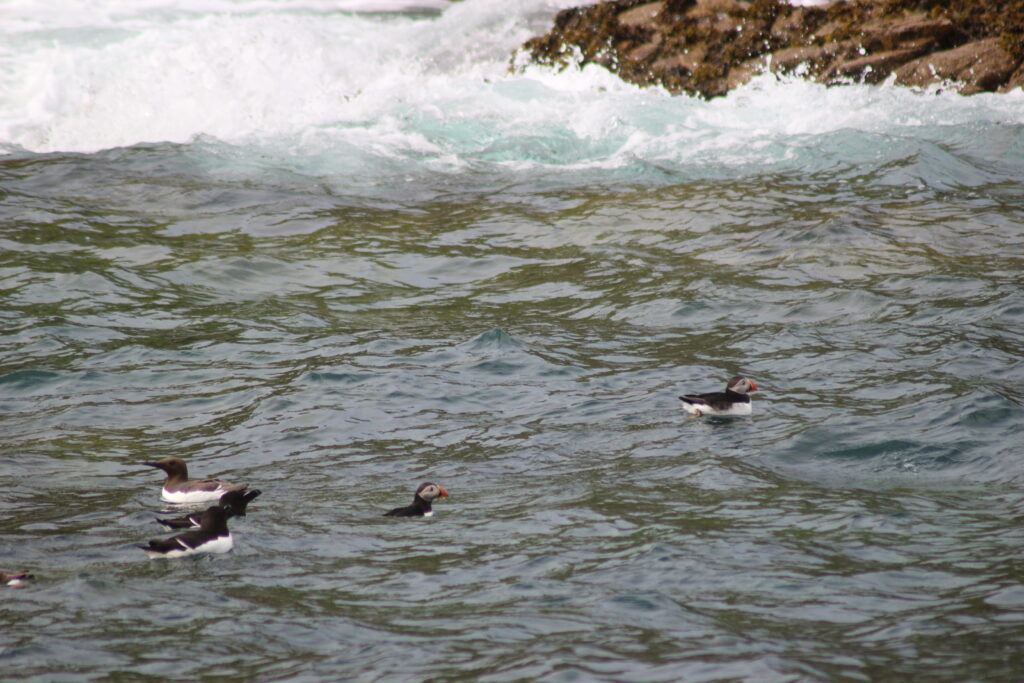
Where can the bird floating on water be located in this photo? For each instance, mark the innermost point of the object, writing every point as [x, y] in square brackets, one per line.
[212, 536]
[234, 503]
[14, 578]
[425, 495]
[178, 488]
[734, 401]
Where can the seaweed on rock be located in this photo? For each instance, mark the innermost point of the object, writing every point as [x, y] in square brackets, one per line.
[708, 47]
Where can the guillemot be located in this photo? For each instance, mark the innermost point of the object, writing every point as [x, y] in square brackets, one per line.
[233, 502]
[178, 488]
[212, 536]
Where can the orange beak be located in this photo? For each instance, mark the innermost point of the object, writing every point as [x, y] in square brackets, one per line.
[753, 385]
[444, 494]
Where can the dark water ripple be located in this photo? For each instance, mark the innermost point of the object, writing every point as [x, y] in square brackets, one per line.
[864, 524]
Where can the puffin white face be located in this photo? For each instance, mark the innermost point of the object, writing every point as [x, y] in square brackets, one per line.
[429, 492]
[741, 385]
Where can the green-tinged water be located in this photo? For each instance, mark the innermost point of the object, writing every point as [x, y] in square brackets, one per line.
[522, 343]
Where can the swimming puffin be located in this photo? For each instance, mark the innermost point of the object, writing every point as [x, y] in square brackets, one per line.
[178, 488]
[731, 402]
[425, 495]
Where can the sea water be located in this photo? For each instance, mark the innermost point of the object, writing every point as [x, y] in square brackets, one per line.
[336, 249]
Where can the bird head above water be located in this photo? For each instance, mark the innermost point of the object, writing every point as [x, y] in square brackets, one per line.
[429, 491]
[741, 385]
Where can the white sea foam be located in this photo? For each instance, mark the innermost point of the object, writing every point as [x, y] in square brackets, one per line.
[303, 79]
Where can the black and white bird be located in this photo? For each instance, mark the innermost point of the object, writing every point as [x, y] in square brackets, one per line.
[734, 401]
[233, 502]
[178, 488]
[14, 578]
[212, 536]
[426, 494]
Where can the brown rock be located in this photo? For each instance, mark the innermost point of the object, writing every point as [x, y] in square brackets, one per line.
[980, 66]
[796, 23]
[688, 60]
[872, 68]
[645, 51]
[1015, 81]
[642, 15]
[723, 16]
[826, 32]
[879, 35]
[715, 8]
[789, 59]
[707, 47]
[742, 73]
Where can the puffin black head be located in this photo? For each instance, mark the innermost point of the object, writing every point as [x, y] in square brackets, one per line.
[741, 385]
[429, 492]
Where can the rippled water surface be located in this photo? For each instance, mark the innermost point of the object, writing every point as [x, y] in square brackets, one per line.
[511, 308]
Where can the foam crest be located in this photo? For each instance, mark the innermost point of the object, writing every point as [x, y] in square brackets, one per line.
[225, 77]
[116, 80]
[302, 80]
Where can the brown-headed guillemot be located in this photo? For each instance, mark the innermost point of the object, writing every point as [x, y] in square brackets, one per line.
[425, 495]
[731, 402]
[212, 536]
[233, 502]
[178, 488]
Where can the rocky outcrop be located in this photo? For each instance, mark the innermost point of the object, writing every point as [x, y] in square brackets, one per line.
[709, 47]
[980, 66]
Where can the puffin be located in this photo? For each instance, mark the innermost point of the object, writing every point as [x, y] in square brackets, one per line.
[178, 488]
[734, 401]
[14, 578]
[233, 502]
[425, 495]
[212, 536]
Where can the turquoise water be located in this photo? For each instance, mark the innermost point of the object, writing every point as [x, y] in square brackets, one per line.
[437, 285]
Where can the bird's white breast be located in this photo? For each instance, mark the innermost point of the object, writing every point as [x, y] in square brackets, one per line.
[191, 496]
[221, 544]
[735, 410]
